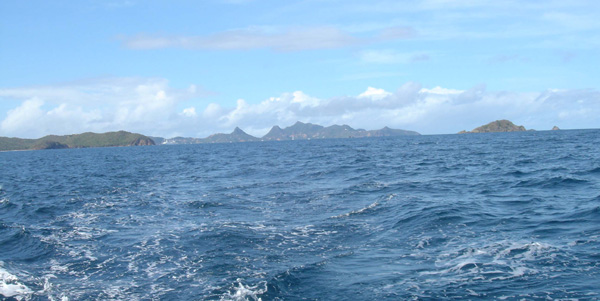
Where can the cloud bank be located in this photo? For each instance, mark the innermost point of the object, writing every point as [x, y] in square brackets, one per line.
[152, 107]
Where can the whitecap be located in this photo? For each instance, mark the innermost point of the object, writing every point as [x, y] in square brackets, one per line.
[245, 292]
[309, 230]
[423, 242]
[525, 251]
[11, 287]
[492, 262]
[359, 211]
[56, 267]
[472, 293]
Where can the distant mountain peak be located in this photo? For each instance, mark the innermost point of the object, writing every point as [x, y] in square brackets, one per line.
[276, 133]
[298, 131]
[303, 131]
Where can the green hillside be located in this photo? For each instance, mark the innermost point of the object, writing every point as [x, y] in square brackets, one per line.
[497, 126]
[84, 140]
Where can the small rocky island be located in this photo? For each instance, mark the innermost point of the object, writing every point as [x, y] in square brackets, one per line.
[120, 138]
[555, 128]
[497, 126]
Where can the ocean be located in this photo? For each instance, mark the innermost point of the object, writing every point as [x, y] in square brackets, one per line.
[477, 216]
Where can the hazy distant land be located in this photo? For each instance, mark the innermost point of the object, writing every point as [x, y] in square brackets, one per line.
[298, 131]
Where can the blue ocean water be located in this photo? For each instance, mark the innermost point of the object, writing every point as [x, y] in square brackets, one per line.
[506, 216]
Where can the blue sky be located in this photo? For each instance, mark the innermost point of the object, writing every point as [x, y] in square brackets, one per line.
[193, 68]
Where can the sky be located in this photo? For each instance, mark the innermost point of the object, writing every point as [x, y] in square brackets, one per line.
[194, 68]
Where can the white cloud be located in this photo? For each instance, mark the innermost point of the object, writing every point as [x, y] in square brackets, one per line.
[150, 106]
[441, 91]
[99, 105]
[212, 110]
[103, 91]
[251, 38]
[304, 100]
[427, 110]
[30, 119]
[559, 23]
[388, 56]
[189, 112]
[291, 39]
[374, 93]
[22, 119]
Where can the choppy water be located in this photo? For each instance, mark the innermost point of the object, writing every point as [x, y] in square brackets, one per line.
[512, 215]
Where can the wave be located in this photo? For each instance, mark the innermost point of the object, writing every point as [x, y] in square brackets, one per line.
[432, 217]
[588, 215]
[241, 292]
[11, 287]
[517, 173]
[498, 261]
[288, 284]
[358, 219]
[18, 243]
[523, 202]
[552, 183]
[197, 204]
[593, 171]
[525, 162]
[359, 211]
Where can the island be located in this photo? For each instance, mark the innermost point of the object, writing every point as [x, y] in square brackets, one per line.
[236, 136]
[120, 138]
[497, 126]
[298, 131]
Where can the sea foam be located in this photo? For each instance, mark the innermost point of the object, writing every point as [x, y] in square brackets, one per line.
[11, 287]
[245, 292]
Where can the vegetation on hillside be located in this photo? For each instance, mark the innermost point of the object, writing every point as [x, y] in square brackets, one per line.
[84, 140]
[496, 127]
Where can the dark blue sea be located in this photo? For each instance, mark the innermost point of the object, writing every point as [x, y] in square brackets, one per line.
[494, 216]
